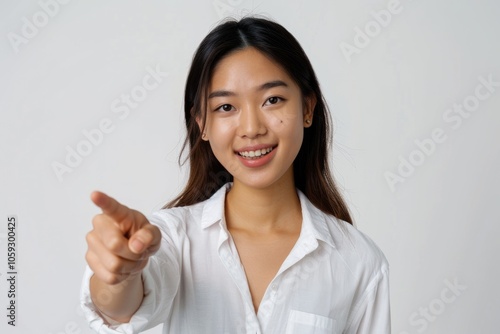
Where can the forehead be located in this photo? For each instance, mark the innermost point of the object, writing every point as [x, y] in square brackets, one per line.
[247, 69]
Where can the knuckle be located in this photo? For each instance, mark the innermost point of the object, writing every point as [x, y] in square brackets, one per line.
[89, 258]
[114, 244]
[90, 238]
[114, 265]
[97, 220]
[129, 214]
[137, 215]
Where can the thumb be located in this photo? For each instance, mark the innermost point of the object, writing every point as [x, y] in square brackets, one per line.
[146, 240]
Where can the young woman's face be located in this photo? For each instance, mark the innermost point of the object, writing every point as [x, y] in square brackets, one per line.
[255, 118]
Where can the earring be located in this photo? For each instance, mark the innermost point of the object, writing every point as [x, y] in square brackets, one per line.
[203, 135]
[308, 121]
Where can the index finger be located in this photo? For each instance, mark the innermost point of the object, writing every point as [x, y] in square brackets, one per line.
[110, 206]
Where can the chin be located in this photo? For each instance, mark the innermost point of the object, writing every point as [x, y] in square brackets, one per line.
[260, 182]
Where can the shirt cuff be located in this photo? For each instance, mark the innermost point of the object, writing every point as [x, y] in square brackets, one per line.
[139, 320]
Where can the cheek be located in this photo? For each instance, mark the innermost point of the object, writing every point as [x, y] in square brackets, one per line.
[297, 135]
[220, 134]
[221, 141]
[291, 131]
[216, 127]
[287, 122]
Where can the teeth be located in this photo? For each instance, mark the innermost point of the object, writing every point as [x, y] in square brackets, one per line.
[256, 153]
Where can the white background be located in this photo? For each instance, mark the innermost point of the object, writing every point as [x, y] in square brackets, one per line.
[440, 225]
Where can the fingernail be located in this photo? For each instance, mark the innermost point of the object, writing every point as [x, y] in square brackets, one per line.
[137, 245]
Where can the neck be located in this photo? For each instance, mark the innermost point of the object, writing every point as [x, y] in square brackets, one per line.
[263, 210]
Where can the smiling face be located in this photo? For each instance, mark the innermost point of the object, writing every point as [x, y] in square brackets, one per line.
[255, 118]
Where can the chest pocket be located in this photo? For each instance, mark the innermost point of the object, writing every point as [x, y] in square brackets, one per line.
[308, 323]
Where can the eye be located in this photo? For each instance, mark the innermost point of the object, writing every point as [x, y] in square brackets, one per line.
[273, 100]
[225, 107]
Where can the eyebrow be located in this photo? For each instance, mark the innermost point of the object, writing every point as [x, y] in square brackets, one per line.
[265, 86]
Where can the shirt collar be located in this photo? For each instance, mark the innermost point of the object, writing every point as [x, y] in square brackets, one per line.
[213, 209]
[314, 221]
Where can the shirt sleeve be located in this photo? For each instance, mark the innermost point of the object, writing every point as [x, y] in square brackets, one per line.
[372, 314]
[161, 278]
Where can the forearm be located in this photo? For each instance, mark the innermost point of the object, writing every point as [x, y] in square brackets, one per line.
[120, 301]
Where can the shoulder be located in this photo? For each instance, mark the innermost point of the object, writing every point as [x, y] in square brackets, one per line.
[360, 246]
[356, 249]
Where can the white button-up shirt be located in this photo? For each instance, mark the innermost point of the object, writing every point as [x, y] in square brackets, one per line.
[335, 279]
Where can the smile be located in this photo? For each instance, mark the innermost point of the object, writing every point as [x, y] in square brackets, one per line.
[256, 153]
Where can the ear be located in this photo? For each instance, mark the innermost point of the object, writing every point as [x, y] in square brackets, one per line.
[199, 121]
[309, 105]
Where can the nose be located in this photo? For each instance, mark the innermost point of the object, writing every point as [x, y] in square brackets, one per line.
[251, 122]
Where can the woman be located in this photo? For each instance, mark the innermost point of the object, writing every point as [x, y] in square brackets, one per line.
[260, 240]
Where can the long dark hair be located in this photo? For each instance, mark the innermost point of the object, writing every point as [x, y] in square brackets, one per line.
[311, 169]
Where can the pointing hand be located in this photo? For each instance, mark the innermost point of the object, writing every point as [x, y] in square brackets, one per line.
[121, 241]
